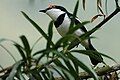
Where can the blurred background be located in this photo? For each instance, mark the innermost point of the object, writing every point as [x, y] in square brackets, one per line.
[13, 25]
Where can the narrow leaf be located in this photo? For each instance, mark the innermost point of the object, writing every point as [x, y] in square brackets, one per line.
[106, 7]
[84, 4]
[59, 64]
[21, 52]
[83, 66]
[26, 45]
[14, 71]
[36, 42]
[87, 52]
[50, 34]
[49, 73]
[8, 52]
[36, 26]
[44, 76]
[39, 52]
[91, 53]
[73, 29]
[50, 30]
[19, 73]
[71, 69]
[36, 75]
[59, 72]
[60, 54]
[67, 75]
[74, 14]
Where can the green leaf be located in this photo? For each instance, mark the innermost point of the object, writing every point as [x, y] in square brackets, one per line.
[39, 52]
[36, 75]
[36, 43]
[44, 76]
[50, 30]
[49, 73]
[106, 7]
[36, 26]
[64, 40]
[74, 14]
[84, 4]
[76, 66]
[8, 52]
[58, 63]
[108, 57]
[87, 34]
[14, 71]
[59, 73]
[94, 55]
[50, 34]
[83, 66]
[91, 53]
[63, 68]
[42, 54]
[85, 22]
[21, 52]
[71, 69]
[75, 9]
[66, 74]
[74, 43]
[73, 29]
[26, 46]
[60, 54]
[19, 73]
[40, 57]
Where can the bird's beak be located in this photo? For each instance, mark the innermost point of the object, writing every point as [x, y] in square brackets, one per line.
[44, 11]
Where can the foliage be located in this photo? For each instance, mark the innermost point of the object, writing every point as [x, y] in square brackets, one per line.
[59, 56]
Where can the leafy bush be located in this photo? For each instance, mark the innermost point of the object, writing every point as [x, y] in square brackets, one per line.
[59, 56]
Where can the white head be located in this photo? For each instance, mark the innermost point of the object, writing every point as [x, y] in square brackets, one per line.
[54, 11]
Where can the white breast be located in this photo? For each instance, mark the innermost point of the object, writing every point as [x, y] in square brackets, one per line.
[64, 27]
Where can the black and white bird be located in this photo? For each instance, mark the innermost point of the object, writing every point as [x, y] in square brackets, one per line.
[62, 21]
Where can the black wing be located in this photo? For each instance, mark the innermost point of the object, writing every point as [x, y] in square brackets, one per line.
[59, 20]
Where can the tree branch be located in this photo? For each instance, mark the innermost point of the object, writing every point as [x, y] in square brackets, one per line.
[117, 10]
[108, 18]
[100, 71]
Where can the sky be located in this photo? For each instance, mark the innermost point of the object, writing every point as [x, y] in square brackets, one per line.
[13, 25]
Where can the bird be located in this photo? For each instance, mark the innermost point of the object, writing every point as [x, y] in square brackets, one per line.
[62, 20]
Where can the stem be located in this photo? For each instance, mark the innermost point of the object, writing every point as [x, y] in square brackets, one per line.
[100, 72]
[100, 24]
[108, 18]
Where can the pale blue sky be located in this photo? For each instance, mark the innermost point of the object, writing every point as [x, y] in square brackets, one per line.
[13, 24]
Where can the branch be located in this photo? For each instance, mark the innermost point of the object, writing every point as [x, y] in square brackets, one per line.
[117, 10]
[108, 18]
[76, 41]
[99, 71]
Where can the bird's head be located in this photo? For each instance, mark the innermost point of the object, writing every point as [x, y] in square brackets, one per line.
[54, 11]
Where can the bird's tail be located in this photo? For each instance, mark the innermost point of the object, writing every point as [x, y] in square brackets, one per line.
[94, 61]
